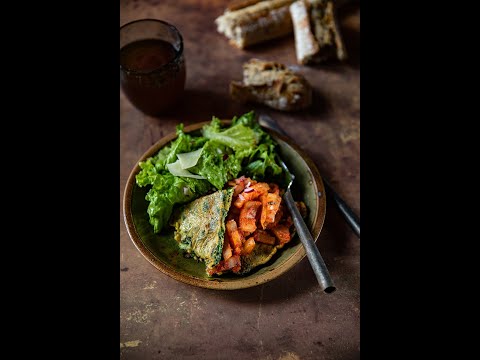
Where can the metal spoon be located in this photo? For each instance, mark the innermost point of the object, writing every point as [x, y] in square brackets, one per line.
[313, 255]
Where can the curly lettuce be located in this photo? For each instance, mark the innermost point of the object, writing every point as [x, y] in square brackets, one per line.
[241, 148]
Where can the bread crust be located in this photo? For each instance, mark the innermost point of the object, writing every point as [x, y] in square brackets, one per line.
[253, 24]
[326, 29]
[316, 31]
[306, 46]
[272, 84]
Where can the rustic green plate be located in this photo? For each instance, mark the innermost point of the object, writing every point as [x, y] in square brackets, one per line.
[162, 251]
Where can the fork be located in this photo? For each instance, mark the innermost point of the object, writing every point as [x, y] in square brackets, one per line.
[313, 255]
[350, 217]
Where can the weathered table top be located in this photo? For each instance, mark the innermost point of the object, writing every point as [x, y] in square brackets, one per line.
[289, 317]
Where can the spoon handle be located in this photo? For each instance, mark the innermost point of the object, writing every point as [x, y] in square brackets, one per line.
[316, 260]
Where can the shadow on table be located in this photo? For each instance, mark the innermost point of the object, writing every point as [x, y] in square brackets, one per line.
[269, 50]
[300, 279]
[351, 37]
[197, 105]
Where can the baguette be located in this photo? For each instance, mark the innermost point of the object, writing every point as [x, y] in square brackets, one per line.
[306, 46]
[327, 30]
[272, 84]
[316, 32]
[252, 24]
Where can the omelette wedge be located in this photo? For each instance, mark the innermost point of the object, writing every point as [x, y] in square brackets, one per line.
[200, 226]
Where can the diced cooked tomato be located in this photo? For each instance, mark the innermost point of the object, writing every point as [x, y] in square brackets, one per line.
[257, 212]
[235, 237]
[257, 190]
[274, 188]
[227, 249]
[282, 233]
[270, 205]
[248, 246]
[233, 263]
[278, 217]
[248, 216]
[243, 180]
[237, 190]
[240, 184]
[233, 214]
[260, 188]
[263, 214]
[264, 237]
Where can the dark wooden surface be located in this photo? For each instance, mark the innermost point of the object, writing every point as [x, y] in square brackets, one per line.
[288, 318]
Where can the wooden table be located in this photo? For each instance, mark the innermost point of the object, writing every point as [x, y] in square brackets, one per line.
[289, 317]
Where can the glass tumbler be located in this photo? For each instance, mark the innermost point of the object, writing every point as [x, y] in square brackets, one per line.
[152, 65]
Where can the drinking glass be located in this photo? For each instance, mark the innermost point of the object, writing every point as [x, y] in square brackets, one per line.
[152, 65]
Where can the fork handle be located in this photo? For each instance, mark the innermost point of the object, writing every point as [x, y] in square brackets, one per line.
[350, 217]
[313, 255]
[346, 211]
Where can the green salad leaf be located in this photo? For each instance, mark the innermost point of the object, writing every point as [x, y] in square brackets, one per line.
[237, 136]
[262, 161]
[168, 191]
[242, 148]
[211, 165]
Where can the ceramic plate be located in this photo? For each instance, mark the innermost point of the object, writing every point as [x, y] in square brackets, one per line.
[162, 251]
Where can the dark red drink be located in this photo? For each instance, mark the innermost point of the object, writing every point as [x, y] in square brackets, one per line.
[152, 74]
[146, 55]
